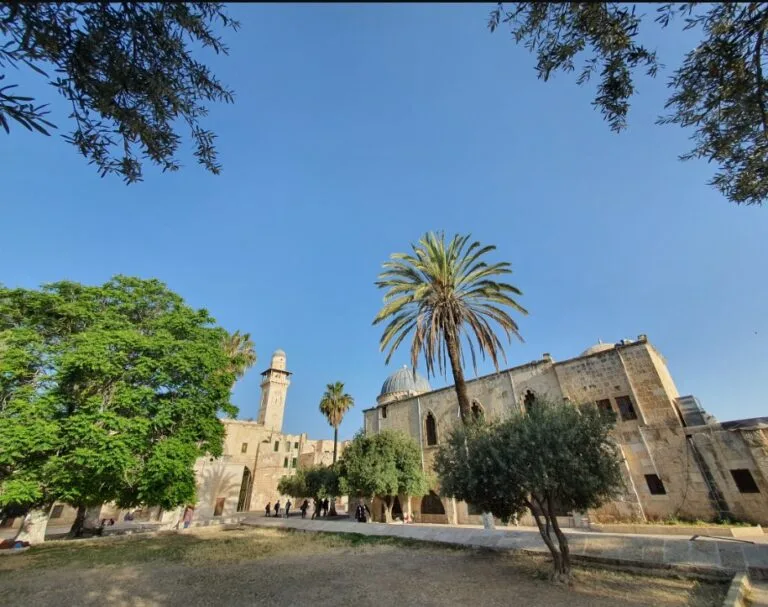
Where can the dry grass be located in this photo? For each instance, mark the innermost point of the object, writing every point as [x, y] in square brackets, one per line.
[270, 566]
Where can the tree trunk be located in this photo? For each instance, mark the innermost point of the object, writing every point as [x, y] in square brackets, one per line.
[332, 510]
[559, 573]
[488, 521]
[33, 526]
[388, 502]
[77, 526]
[452, 344]
[564, 575]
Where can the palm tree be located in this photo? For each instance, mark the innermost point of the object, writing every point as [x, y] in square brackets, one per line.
[241, 352]
[334, 404]
[446, 294]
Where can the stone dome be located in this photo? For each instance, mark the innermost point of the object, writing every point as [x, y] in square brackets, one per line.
[598, 347]
[402, 383]
[278, 352]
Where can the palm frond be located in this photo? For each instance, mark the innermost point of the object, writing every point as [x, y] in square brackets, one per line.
[444, 290]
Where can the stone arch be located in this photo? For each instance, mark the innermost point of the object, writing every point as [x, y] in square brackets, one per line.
[529, 398]
[478, 412]
[246, 484]
[430, 429]
[432, 504]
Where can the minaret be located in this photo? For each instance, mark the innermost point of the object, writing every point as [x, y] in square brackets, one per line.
[274, 388]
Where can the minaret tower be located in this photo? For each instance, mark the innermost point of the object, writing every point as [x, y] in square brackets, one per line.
[274, 388]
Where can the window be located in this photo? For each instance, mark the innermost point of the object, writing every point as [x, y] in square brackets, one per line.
[285, 463]
[293, 463]
[431, 429]
[744, 481]
[529, 399]
[626, 409]
[655, 486]
[384, 412]
[296, 445]
[277, 445]
[219, 509]
[244, 448]
[287, 445]
[477, 410]
[604, 404]
[57, 510]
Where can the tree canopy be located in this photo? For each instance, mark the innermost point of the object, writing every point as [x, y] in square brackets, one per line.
[382, 465]
[107, 393]
[719, 90]
[317, 482]
[548, 457]
[128, 72]
[447, 295]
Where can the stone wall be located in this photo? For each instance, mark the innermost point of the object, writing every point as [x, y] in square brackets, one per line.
[654, 445]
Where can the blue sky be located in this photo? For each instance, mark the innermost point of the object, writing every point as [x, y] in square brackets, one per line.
[355, 129]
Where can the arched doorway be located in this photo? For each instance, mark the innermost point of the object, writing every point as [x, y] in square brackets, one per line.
[244, 501]
[432, 510]
[397, 510]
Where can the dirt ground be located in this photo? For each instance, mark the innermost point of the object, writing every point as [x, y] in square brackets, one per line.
[279, 568]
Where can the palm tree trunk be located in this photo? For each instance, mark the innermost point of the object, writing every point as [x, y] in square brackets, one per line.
[332, 511]
[452, 343]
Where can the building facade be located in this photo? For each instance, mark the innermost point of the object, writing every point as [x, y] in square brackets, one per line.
[677, 460]
[258, 454]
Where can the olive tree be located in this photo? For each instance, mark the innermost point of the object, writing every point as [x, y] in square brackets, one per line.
[382, 465]
[550, 456]
[718, 91]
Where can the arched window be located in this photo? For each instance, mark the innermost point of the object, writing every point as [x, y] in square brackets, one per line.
[431, 504]
[431, 427]
[477, 410]
[529, 399]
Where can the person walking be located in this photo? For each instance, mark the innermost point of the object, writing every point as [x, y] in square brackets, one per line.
[188, 516]
[316, 511]
[277, 508]
[303, 508]
[288, 508]
[325, 507]
[268, 509]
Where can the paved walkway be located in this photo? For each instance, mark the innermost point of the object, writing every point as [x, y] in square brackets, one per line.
[704, 555]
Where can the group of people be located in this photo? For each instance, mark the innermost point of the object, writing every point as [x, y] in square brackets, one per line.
[321, 508]
[362, 513]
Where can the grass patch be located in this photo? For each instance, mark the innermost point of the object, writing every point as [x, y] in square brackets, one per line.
[224, 557]
[197, 547]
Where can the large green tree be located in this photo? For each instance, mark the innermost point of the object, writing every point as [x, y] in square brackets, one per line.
[719, 91]
[127, 71]
[551, 456]
[448, 296]
[382, 465]
[107, 393]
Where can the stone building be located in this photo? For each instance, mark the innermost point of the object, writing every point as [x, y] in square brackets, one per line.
[258, 454]
[678, 461]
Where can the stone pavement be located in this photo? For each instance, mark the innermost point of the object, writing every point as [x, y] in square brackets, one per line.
[704, 555]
